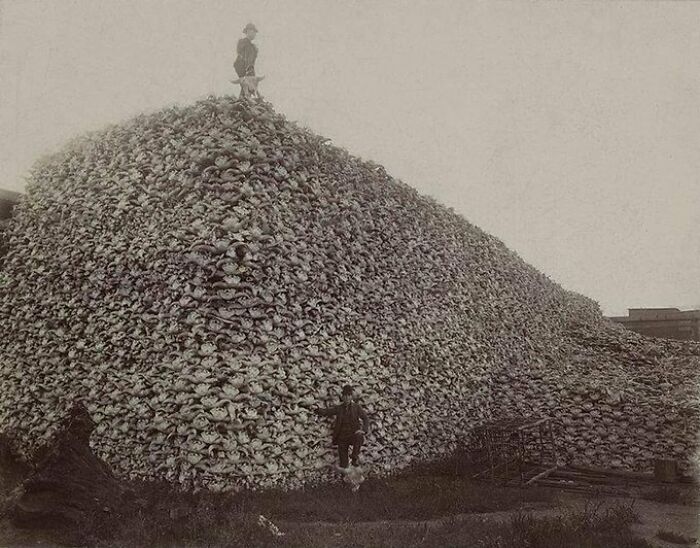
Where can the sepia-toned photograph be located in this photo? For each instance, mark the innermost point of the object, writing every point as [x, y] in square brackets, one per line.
[349, 273]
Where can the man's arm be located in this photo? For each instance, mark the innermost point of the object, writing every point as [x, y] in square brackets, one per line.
[365, 421]
[328, 411]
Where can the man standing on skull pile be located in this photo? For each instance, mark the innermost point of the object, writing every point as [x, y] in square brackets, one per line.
[247, 54]
[346, 428]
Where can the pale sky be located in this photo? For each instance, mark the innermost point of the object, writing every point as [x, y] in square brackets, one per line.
[571, 131]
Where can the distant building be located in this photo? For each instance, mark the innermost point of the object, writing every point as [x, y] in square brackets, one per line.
[668, 323]
[8, 199]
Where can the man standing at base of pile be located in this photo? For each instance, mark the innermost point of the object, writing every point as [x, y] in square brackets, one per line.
[346, 428]
[247, 53]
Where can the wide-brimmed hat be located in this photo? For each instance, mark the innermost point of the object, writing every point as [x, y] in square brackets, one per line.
[250, 26]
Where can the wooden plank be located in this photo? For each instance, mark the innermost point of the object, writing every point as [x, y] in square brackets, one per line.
[532, 424]
[580, 488]
[589, 477]
[541, 475]
[621, 473]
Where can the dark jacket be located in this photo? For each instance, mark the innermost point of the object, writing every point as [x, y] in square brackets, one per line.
[245, 62]
[347, 419]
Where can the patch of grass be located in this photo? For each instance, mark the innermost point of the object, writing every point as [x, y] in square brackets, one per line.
[401, 511]
[591, 528]
[688, 496]
[407, 498]
[157, 515]
[670, 536]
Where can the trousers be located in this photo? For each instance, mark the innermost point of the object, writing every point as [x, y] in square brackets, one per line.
[344, 443]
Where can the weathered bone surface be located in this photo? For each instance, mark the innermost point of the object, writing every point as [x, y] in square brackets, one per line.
[249, 85]
[203, 277]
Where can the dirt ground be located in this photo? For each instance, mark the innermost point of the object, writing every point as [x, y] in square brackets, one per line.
[676, 518]
[654, 516]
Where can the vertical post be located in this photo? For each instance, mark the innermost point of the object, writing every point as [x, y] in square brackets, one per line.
[489, 443]
[553, 442]
[521, 454]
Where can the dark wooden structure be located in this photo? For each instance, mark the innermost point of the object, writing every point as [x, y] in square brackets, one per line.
[518, 450]
[8, 199]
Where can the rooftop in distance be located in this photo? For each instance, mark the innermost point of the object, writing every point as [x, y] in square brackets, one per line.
[670, 323]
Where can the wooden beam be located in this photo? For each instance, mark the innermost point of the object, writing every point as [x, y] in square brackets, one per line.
[541, 475]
